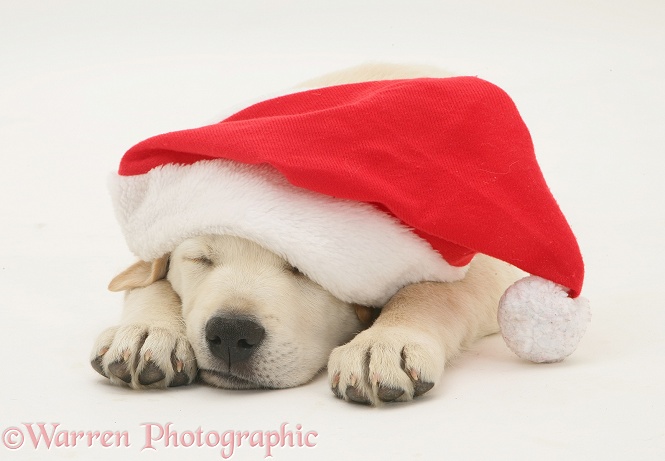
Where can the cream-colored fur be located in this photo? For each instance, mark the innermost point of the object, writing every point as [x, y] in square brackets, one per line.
[162, 339]
[421, 328]
[372, 72]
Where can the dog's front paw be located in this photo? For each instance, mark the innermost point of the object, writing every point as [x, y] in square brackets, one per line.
[385, 364]
[140, 356]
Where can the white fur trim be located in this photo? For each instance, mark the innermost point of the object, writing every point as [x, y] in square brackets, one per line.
[540, 322]
[354, 250]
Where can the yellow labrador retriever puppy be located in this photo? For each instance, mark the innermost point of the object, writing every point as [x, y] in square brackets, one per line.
[239, 316]
[254, 321]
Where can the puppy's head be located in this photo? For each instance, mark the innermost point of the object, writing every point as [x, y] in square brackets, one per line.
[253, 320]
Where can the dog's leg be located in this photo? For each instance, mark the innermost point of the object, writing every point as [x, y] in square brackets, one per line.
[422, 327]
[149, 348]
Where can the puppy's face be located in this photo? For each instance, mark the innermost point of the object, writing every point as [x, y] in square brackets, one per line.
[254, 320]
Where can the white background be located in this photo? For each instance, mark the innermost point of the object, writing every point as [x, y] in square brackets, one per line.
[81, 82]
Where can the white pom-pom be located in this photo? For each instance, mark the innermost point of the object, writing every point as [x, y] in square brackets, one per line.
[540, 322]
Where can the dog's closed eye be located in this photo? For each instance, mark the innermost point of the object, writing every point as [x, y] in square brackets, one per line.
[293, 269]
[201, 260]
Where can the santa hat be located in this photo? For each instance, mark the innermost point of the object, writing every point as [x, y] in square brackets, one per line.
[369, 187]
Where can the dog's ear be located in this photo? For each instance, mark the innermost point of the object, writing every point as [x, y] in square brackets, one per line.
[140, 274]
[366, 314]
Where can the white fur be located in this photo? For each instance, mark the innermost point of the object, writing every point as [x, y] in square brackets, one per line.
[355, 251]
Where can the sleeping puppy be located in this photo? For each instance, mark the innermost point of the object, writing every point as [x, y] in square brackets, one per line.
[244, 318]
[238, 316]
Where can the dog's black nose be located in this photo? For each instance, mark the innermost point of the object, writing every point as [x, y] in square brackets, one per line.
[233, 339]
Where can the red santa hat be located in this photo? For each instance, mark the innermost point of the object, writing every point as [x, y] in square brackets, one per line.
[366, 188]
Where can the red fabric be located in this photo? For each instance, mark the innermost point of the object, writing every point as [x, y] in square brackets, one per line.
[450, 158]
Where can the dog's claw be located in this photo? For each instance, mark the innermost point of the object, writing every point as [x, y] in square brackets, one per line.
[337, 393]
[151, 374]
[180, 379]
[388, 394]
[334, 383]
[121, 371]
[420, 387]
[355, 395]
[97, 366]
